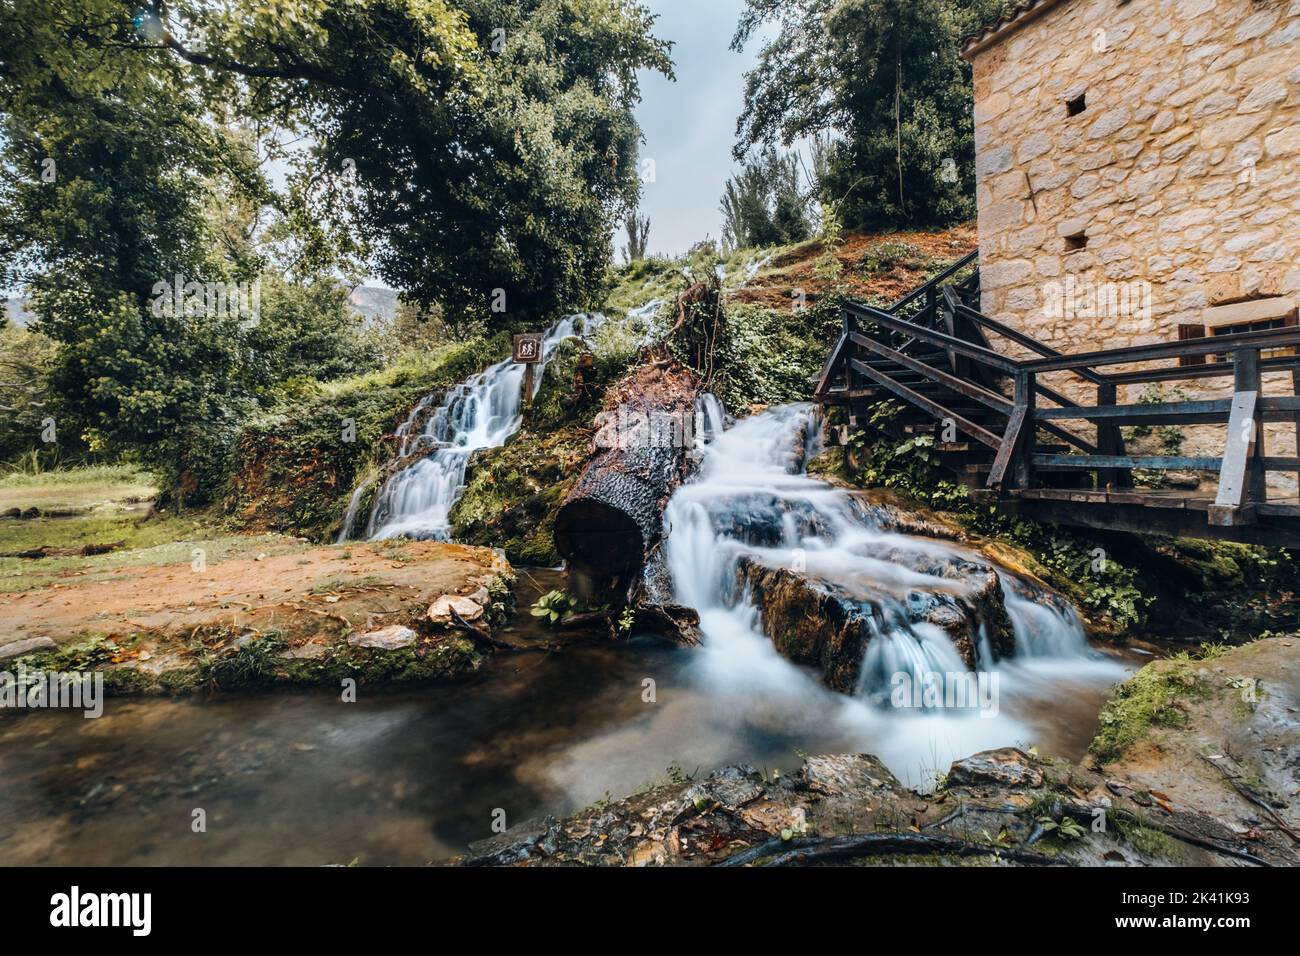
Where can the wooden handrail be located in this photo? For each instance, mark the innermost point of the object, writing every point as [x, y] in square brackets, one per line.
[961, 346]
[1265, 339]
[946, 274]
[1020, 338]
[1242, 465]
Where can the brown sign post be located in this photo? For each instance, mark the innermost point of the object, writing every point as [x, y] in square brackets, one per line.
[528, 352]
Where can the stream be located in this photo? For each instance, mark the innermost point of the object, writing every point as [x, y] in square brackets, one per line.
[408, 776]
[403, 777]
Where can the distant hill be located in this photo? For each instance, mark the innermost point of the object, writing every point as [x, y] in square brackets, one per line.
[374, 302]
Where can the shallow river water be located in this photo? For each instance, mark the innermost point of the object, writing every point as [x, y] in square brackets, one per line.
[403, 777]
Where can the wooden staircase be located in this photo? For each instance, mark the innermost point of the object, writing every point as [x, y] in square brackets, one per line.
[979, 387]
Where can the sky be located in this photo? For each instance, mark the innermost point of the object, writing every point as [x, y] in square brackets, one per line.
[690, 125]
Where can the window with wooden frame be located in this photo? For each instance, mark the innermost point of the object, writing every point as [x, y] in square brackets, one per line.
[1254, 315]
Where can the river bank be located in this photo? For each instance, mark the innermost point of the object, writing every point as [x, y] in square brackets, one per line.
[1206, 778]
[288, 615]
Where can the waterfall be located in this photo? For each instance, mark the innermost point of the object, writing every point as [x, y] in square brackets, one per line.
[482, 412]
[349, 519]
[752, 497]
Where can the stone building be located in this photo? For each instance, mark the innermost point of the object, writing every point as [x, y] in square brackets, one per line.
[1138, 174]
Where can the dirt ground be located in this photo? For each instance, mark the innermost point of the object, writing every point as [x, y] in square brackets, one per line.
[362, 585]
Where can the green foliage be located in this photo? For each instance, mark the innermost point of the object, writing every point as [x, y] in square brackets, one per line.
[294, 466]
[554, 605]
[887, 75]
[1221, 566]
[768, 354]
[763, 204]
[507, 123]
[26, 400]
[1068, 829]
[307, 331]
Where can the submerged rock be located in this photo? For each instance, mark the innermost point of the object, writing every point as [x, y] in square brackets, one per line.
[828, 625]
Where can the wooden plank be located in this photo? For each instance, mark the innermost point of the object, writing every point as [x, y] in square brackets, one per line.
[934, 408]
[942, 277]
[1236, 483]
[1110, 441]
[972, 391]
[1129, 461]
[941, 339]
[1196, 411]
[1015, 426]
[1124, 498]
[828, 368]
[1027, 341]
[1022, 454]
[1213, 370]
[1238, 449]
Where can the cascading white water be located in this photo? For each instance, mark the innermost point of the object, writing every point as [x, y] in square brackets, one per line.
[751, 497]
[483, 412]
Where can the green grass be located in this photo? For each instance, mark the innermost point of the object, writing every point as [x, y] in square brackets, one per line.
[158, 541]
[70, 490]
[1151, 698]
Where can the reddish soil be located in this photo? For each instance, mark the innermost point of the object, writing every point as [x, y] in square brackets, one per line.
[797, 268]
[321, 589]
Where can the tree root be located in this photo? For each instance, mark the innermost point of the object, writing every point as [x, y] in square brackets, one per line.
[812, 850]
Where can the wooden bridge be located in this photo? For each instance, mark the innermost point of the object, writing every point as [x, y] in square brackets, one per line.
[1030, 449]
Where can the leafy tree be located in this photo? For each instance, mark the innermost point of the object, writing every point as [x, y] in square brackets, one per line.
[478, 146]
[887, 76]
[106, 171]
[470, 147]
[763, 205]
[26, 358]
[638, 235]
[308, 331]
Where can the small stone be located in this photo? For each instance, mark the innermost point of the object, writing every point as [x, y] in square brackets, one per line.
[391, 638]
[29, 646]
[1007, 767]
[440, 610]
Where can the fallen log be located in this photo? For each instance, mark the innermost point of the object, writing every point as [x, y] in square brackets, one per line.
[613, 517]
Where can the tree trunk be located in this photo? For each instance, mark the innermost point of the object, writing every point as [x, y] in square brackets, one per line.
[613, 517]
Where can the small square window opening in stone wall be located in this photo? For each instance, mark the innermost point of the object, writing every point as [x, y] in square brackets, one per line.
[1077, 105]
[1076, 242]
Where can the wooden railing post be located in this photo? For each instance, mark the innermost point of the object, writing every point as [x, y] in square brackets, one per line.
[1295, 390]
[851, 377]
[1024, 398]
[1242, 482]
[1110, 442]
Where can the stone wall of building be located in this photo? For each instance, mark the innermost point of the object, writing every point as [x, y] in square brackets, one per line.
[1175, 189]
